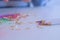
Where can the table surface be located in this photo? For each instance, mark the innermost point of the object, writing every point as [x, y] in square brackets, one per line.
[30, 31]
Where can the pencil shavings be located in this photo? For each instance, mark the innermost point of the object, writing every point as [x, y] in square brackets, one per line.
[24, 16]
[19, 23]
[10, 16]
[2, 20]
[43, 23]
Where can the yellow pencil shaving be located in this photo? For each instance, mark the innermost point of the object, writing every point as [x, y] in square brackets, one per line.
[24, 16]
[20, 23]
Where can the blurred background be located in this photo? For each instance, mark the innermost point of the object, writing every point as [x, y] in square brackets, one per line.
[23, 3]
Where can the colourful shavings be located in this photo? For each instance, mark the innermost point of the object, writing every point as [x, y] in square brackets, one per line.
[10, 16]
[13, 17]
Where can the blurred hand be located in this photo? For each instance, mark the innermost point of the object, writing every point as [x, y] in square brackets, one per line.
[6, 0]
[27, 0]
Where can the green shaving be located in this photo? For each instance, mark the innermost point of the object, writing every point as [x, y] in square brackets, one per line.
[2, 20]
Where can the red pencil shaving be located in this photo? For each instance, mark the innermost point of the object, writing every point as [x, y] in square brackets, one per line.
[11, 16]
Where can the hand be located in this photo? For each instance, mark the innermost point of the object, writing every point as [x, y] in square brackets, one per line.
[6, 0]
[27, 0]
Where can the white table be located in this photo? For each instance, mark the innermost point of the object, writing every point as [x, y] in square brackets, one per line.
[45, 33]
